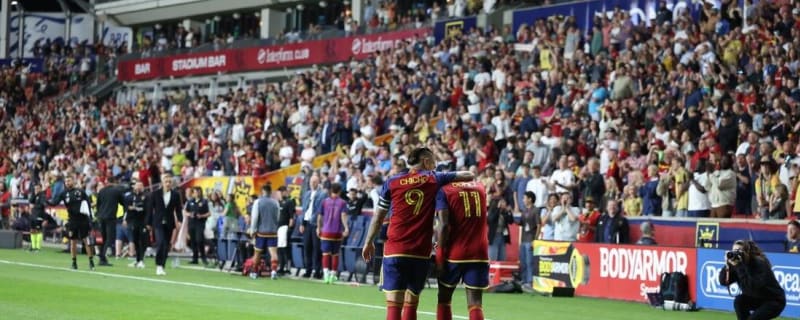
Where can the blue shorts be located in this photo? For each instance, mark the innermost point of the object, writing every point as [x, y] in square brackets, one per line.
[331, 246]
[266, 242]
[474, 274]
[404, 273]
[123, 234]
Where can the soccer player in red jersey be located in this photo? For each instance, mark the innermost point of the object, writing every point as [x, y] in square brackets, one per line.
[463, 246]
[410, 195]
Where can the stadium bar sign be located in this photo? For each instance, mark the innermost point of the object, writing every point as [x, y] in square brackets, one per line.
[266, 57]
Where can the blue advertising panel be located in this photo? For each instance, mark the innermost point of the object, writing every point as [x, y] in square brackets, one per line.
[585, 11]
[36, 64]
[449, 28]
[712, 295]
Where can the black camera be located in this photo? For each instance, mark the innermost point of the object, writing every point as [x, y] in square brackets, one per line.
[734, 255]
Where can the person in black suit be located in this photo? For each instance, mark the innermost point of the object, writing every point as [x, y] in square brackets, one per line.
[197, 212]
[109, 198]
[164, 212]
[612, 227]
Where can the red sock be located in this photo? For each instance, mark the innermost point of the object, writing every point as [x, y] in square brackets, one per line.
[334, 262]
[326, 264]
[409, 312]
[273, 265]
[393, 311]
[443, 312]
[475, 313]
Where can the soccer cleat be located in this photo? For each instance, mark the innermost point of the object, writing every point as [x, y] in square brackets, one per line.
[91, 265]
[273, 275]
[140, 265]
[334, 278]
[253, 275]
[160, 271]
[74, 265]
[132, 264]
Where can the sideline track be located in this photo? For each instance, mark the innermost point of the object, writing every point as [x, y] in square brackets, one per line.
[220, 288]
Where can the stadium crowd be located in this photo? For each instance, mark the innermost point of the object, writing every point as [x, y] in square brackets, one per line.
[687, 118]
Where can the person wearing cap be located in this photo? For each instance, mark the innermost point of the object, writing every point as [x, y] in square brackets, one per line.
[792, 243]
[588, 220]
[766, 184]
[647, 238]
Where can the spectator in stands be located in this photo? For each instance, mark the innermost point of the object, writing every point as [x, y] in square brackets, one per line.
[651, 201]
[792, 237]
[588, 221]
[565, 219]
[722, 193]
[766, 185]
[612, 227]
[647, 238]
[744, 186]
[548, 227]
[699, 204]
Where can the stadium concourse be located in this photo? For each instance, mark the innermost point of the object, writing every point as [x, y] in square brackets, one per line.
[689, 117]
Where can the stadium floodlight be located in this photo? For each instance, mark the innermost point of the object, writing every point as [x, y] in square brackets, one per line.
[300, 7]
[323, 4]
[14, 3]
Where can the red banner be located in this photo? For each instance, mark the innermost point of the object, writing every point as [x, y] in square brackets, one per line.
[619, 272]
[265, 57]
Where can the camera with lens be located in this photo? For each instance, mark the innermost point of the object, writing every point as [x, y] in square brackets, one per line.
[734, 255]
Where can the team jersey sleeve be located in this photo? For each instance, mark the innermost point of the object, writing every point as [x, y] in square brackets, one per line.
[444, 178]
[385, 196]
[441, 200]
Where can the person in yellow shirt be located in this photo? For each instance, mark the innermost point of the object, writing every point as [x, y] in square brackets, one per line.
[632, 203]
[796, 193]
[766, 184]
[680, 178]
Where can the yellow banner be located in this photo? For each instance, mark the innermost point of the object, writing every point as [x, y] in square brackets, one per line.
[210, 185]
[242, 188]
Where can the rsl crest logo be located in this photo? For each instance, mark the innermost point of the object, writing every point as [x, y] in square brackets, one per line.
[453, 29]
[707, 235]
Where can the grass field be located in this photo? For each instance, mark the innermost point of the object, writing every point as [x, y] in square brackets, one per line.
[40, 286]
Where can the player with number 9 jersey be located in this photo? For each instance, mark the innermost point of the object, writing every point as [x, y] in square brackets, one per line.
[468, 239]
[410, 198]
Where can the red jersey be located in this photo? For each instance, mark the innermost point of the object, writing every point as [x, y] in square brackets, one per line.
[469, 229]
[588, 225]
[410, 197]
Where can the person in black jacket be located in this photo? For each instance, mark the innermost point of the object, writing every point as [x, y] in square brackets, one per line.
[612, 227]
[163, 215]
[197, 212]
[39, 217]
[762, 297]
[285, 223]
[80, 218]
[109, 198]
[134, 220]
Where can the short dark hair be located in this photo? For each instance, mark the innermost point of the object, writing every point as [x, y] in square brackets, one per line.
[415, 158]
[531, 195]
[336, 188]
[267, 188]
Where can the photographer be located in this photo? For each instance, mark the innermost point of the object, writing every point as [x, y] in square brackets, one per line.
[761, 294]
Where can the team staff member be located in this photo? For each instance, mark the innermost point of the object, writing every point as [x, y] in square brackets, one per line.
[109, 198]
[463, 251]
[163, 211]
[332, 227]
[264, 229]
[312, 206]
[39, 218]
[80, 217]
[134, 220]
[285, 223]
[410, 195]
[197, 212]
[762, 297]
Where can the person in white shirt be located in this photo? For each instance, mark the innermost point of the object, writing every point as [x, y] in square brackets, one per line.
[699, 204]
[286, 153]
[538, 186]
[565, 219]
[563, 179]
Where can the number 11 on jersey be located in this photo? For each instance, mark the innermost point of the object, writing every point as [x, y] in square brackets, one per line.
[464, 195]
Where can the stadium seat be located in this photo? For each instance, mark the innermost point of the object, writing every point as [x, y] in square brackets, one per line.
[352, 247]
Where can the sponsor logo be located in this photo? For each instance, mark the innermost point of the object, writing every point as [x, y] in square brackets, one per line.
[640, 264]
[188, 64]
[365, 46]
[141, 68]
[280, 55]
[548, 267]
[789, 279]
[709, 282]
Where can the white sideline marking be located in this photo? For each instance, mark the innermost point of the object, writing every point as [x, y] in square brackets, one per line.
[207, 286]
